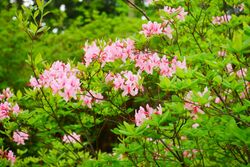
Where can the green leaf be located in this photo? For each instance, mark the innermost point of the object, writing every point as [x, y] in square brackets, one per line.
[35, 14]
[33, 28]
[38, 59]
[164, 83]
[217, 79]
[19, 94]
[39, 4]
[43, 29]
[46, 4]
[237, 41]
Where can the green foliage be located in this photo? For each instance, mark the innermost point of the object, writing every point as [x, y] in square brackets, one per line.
[196, 115]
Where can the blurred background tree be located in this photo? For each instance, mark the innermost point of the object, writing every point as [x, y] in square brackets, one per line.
[71, 23]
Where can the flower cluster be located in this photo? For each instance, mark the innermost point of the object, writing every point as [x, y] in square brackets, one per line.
[145, 113]
[6, 107]
[168, 68]
[241, 74]
[148, 2]
[72, 138]
[126, 81]
[19, 137]
[221, 19]
[191, 154]
[61, 79]
[194, 107]
[116, 50]
[179, 12]
[149, 61]
[154, 28]
[239, 7]
[124, 50]
[9, 155]
[222, 53]
[90, 98]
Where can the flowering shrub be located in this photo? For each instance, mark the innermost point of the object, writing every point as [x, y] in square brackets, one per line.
[181, 100]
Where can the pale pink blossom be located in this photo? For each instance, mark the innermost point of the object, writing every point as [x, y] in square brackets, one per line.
[221, 19]
[180, 13]
[190, 154]
[242, 73]
[151, 28]
[217, 100]
[178, 64]
[11, 157]
[229, 68]
[91, 53]
[61, 79]
[4, 110]
[120, 49]
[91, 97]
[222, 53]
[72, 138]
[19, 137]
[165, 69]
[154, 28]
[147, 62]
[183, 137]
[33, 82]
[195, 106]
[7, 93]
[167, 30]
[127, 82]
[140, 116]
[146, 113]
[16, 109]
[195, 125]
[118, 82]
[186, 154]
[149, 2]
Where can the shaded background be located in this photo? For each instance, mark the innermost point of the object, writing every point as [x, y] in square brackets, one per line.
[71, 23]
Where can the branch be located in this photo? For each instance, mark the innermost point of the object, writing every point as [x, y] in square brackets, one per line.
[139, 9]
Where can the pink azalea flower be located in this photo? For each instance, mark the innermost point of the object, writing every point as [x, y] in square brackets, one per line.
[195, 125]
[242, 73]
[222, 53]
[7, 93]
[144, 114]
[217, 100]
[183, 137]
[140, 116]
[221, 19]
[168, 31]
[229, 68]
[179, 11]
[151, 28]
[61, 79]
[16, 109]
[149, 2]
[91, 53]
[72, 138]
[19, 137]
[87, 101]
[118, 82]
[91, 97]
[11, 157]
[186, 154]
[4, 110]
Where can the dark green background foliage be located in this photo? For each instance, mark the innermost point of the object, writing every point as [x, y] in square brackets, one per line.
[81, 22]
